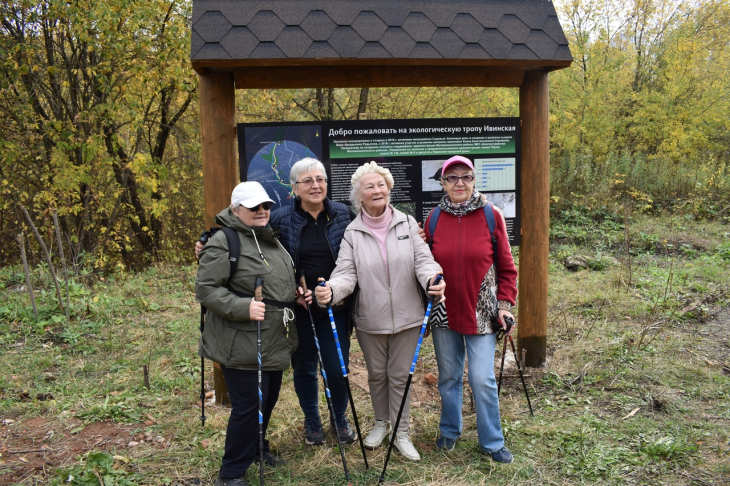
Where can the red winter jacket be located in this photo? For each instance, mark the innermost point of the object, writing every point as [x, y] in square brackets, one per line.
[463, 248]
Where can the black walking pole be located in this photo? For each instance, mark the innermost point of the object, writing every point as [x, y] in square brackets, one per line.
[202, 371]
[519, 368]
[501, 332]
[258, 296]
[344, 375]
[303, 285]
[410, 378]
[501, 366]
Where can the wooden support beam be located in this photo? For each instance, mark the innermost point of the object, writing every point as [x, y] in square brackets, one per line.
[339, 76]
[220, 168]
[535, 218]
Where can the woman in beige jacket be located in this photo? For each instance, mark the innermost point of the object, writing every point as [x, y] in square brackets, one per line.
[384, 255]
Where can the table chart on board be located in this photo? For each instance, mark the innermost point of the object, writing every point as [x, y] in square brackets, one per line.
[495, 174]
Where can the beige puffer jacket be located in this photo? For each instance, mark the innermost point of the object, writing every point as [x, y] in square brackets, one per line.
[380, 308]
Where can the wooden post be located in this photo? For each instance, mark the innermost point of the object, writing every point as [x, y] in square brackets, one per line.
[220, 168]
[535, 218]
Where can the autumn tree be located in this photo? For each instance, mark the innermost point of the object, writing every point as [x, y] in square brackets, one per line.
[91, 95]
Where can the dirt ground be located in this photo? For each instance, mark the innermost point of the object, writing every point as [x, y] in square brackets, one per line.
[39, 445]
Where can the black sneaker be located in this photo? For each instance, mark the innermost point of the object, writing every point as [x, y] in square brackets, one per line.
[313, 432]
[344, 430]
[270, 460]
[445, 444]
[231, 482]
[503, 456]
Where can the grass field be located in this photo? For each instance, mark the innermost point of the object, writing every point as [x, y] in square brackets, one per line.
[636, 389]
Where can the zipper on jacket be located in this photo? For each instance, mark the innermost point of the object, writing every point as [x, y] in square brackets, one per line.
[327, 236]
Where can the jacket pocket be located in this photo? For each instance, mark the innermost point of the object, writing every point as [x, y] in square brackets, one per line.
[243, 345]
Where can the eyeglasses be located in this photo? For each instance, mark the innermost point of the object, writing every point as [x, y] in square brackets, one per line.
[453, 178]
[266, 205]
[309, 182]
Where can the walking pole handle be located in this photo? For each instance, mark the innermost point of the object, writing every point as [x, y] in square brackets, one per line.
[258, 293]
[436, 281]
[322, 283]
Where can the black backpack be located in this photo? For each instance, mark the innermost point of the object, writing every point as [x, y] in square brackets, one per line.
[233, 254]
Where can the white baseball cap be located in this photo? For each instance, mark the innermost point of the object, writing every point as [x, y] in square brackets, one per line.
[249, 194]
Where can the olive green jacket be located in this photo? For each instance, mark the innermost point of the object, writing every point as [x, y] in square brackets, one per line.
[229, 337]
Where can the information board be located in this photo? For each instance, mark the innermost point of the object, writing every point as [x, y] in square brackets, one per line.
[413, 150]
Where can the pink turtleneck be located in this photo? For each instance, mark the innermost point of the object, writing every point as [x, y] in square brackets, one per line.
[378, 226]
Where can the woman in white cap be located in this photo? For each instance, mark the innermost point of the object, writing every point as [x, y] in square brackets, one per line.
[482, 285]
[230, 335]
[384, 255]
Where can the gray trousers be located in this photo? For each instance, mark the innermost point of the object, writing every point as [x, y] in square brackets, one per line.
[388, 358]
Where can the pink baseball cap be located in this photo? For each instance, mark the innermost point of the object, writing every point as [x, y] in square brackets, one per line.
[457, 159]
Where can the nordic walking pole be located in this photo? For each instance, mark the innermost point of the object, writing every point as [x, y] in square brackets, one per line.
[519, 368]
[202, 371]
[303, 285]
[259, 296]
[410, 378]
[501, 366]
[510, 322]
[344, 375]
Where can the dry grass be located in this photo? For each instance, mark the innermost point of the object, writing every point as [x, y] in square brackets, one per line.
[606, 411]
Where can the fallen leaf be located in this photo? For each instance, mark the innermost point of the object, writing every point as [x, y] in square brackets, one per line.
[632, 413]
[210, 394]
[205, 443]
[430, 379]
[133, 444]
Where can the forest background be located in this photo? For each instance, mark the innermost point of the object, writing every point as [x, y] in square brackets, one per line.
[99, 120]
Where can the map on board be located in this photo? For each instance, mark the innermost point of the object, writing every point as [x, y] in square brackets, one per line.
[271, 152]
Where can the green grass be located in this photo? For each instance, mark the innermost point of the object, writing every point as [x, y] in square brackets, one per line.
[633, 391]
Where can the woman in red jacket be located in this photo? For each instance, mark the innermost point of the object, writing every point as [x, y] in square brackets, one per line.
[463, 247]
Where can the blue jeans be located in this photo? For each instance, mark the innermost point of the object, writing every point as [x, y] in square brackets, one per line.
[450, 346]
[305, 361]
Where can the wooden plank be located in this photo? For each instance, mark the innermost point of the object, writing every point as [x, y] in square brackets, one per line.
[289, 77]
[230, 65]
[220, 168]
[535, 218]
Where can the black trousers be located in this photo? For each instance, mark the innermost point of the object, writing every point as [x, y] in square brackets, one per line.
[242, 436]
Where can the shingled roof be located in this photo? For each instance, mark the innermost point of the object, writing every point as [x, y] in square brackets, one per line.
[239, 33]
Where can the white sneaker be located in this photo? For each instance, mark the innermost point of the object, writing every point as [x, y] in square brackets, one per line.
[377, 435]
[404, 445]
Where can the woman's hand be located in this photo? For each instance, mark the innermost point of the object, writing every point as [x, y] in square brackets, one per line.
[438, 290]
[323, 294]
[501, 314]
[304, 298]
[256, 310]
[198, 246]
[421, 233]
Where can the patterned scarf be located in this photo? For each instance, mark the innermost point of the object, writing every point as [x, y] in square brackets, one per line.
[476, 201]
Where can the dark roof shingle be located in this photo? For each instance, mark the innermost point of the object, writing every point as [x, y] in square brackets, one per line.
[377, 29]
